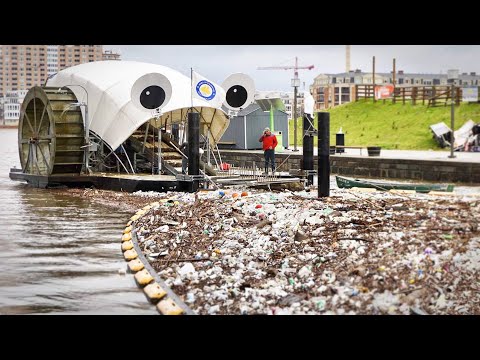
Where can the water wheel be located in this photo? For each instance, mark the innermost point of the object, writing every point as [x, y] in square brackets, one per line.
[50, 132]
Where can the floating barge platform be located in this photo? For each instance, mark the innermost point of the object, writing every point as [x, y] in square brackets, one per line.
[106, 181]
[143, 182]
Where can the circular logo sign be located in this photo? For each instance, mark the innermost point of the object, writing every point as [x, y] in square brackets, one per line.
[206, 90]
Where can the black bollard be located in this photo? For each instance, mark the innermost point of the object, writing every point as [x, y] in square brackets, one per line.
[323, 154]
[193, 147]
[340, 140]
[307, 163]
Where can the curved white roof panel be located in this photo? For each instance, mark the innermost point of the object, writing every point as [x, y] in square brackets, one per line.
[122, 95]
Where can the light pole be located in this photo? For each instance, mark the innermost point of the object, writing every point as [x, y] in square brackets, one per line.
[452, 75]
[87, 126]
[295, 84]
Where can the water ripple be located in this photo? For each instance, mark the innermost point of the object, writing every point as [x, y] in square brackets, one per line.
[58, 254]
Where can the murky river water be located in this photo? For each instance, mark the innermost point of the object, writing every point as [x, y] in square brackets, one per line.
[59, 254]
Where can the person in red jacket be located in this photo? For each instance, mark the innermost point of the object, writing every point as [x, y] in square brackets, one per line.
[270, 142]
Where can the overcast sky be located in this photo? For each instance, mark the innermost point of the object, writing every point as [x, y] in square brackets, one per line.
[216, 62]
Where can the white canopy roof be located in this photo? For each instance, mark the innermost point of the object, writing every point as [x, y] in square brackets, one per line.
[114, 115]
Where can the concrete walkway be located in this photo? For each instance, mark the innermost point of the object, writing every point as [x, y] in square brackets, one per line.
[403, 154]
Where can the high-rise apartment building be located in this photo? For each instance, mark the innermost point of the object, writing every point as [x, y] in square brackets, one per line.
[52, 59]
[24, 66]
[71, 55]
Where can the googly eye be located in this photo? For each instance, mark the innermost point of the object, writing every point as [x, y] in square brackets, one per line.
[151, 91]
[240, 91]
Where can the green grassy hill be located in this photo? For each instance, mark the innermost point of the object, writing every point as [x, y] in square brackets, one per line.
[391, 126]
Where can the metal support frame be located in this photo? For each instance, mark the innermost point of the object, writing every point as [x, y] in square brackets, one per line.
[128, 159]
[307, 147]
[159, 171]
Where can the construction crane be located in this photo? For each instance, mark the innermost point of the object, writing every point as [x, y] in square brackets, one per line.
[295, 84]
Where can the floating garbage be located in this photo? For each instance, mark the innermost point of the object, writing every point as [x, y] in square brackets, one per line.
[231, 251]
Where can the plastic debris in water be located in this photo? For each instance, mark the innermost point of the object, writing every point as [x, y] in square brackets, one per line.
[327, 211]
[420, 274]
[321, 305]
[190, 298]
